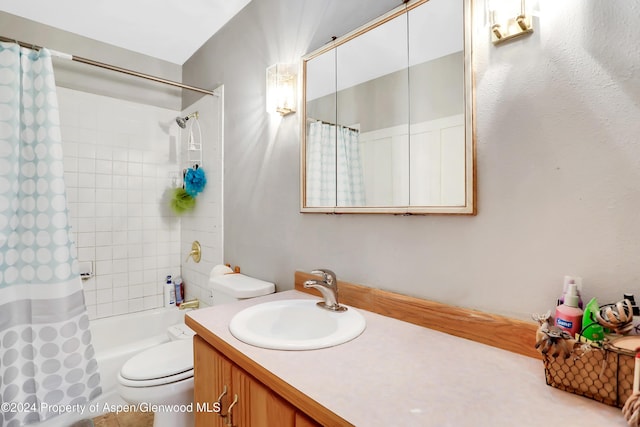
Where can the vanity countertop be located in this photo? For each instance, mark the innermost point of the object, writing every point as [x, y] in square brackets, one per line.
[400, 374]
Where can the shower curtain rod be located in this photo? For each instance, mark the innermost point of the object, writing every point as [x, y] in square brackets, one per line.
[310, 119]
[109, 67]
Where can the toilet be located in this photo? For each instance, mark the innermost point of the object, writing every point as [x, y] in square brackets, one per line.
[161, 378]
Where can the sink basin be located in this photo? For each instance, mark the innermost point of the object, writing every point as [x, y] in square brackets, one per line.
[297, 324]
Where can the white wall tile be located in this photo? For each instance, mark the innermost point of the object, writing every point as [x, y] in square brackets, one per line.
[104, 253]
[120, 265]
[120, 156]
[104, 238]
[86, 151]
[135, 169]
[86, 210]
[149, 289]
[86, 180]
[104, 310]
[86, 224]
[136, 156]
[103, 224]
[103, 181]
[104, 152]
[120, 307]
[135, 277]
[120, 168]
[104, 281]
[104, 267]
[104, 296]
[70, 179]
[103, 166]
[116, 217]
[120, 294]
[104, 195]
[86, 254]
[136, 291]
[135, 304]
[204, 222]
[120, 280]
[86, 165]
[151, 302]
[84, 240]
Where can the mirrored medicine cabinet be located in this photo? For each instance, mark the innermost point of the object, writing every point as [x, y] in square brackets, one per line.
[387, 115]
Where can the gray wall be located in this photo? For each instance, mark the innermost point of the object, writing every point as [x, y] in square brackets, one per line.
[74, 75]
[437, 91]
[557, 155]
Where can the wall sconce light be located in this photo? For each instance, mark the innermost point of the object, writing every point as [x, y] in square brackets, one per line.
[509, 20]
[281, 89]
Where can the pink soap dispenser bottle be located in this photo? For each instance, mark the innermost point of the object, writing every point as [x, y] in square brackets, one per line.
[569, 315]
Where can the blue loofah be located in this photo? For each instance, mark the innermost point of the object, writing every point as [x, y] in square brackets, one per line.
[194, 181]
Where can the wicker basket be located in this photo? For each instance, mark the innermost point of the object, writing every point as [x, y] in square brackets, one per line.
[603, 374]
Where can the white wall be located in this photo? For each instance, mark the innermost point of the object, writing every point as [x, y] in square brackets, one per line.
[204, 223]
[557, 153]
[119, 157]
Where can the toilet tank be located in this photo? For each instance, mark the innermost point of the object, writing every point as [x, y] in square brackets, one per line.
[233, 287]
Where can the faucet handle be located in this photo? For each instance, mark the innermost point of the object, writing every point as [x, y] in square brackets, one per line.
[196, 252]
[327, 275]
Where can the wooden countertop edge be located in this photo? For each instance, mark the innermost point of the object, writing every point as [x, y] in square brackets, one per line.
[296, 398]
[498, 331]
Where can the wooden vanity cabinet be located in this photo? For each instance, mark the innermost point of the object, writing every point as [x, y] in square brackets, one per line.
[256, 406]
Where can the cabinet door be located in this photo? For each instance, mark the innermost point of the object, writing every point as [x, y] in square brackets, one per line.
[257, 405]
[304, 421]
[212, 373]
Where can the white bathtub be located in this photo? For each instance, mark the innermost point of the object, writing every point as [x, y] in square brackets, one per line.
[116, 339]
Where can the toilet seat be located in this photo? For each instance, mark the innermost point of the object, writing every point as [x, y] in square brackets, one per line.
[164, 364]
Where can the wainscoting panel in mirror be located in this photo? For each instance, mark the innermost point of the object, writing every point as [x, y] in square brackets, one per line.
[388, 115]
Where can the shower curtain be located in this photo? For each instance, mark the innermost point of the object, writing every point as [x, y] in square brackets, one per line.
[47, 362]
[334, 166]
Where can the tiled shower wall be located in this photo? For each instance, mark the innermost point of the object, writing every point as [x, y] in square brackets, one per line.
[204, 224]
[121, 159]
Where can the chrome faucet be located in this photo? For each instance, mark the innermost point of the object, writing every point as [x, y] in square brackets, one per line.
[328, 287]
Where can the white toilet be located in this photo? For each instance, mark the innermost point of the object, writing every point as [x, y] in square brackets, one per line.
[162, 377]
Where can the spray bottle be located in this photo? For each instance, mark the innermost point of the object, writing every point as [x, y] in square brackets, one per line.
[569, 315]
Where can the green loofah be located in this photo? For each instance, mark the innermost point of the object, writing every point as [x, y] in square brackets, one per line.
[182, 202]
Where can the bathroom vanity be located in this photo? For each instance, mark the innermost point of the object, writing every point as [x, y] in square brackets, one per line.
[219, 382]
[394, 373]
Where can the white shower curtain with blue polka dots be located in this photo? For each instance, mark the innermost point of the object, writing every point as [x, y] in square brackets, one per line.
[47, 362]
[334, 174]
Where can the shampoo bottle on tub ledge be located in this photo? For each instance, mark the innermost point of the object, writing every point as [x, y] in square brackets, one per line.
[569, 315]
[169, 293]
[179, 290]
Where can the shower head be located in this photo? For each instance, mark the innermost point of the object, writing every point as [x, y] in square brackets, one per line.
[182, 121]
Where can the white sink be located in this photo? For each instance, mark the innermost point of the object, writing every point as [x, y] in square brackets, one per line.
[297, 324]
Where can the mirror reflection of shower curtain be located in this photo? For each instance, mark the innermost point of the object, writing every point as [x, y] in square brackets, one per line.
[48, 359]
[334, 166]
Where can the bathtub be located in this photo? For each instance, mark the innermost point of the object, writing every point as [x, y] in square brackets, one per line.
[116, 339]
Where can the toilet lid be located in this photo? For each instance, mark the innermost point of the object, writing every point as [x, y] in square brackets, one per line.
[162, 361]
